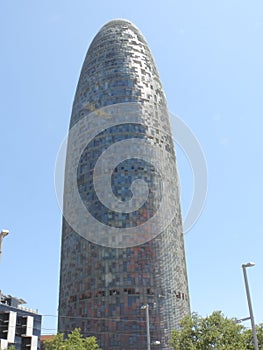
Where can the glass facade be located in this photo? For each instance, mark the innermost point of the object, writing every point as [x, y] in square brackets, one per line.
[19, 326]
[102, 289]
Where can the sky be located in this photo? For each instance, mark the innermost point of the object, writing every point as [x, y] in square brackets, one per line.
[209, 55]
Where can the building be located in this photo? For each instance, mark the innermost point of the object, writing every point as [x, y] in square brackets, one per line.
[103, 287]
[19, 326]
[43, 338]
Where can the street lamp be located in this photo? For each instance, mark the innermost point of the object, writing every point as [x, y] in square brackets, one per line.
[244, 266]
[146, 308]
[2, 235]
[156, 342]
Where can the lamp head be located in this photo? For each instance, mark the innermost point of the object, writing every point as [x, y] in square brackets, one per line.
[249, 264]
[4, 233]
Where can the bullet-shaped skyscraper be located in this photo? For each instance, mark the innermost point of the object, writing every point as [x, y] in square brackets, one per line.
[122, 247]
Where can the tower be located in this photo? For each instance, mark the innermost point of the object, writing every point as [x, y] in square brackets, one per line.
[105, 281]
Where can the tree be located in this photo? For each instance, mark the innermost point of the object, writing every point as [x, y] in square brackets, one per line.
[74, 341]
[211, 332]
[248, 337]
[55, 343]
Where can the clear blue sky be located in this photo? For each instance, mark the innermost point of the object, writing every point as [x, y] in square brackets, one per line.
[209, 55]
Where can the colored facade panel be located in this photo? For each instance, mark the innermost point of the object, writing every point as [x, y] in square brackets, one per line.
[102, 289]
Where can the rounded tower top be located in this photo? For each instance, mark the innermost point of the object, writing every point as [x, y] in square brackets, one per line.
[118, 68]
[118, 21]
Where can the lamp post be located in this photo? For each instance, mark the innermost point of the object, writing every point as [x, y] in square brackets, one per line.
[2, 235]
[146, 308]
[244, 266]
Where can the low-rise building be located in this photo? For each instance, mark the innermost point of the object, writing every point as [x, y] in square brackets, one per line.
[43, 338]
[19, 326]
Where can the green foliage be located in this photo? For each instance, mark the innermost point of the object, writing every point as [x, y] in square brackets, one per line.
[74, 341]
[55, 343]
[212, 332]
[248, 337]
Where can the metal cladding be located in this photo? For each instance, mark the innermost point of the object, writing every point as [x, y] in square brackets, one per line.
[103, 286]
